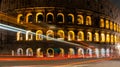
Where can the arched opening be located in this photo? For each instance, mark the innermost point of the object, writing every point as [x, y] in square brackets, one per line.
[20, 19]
[102, 23]
[50, 17]
[60, 18]
[29, 18]
[102, 37]
[29, 52]
[81, 52]
[29, 36]
[102, 52]
[20, 52]
[50, 52]
[107, 52]
[115, 26]
[112, 39]
[50, 34]
[97, 53]
[39, 34]
[107, 38]
[71, 52]
[80, 36]
[107, 24]
[111, 25]
[70, 19]
[80, 19]
[60, 35]
[39, 17]
[89, 53]
[88, 20]
[89, 36]
[115, 38]
[96, 38]
[62, 52]
[19, 36]
[71, 36]
[39, 53]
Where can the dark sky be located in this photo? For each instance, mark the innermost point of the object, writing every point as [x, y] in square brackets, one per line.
[116, 2]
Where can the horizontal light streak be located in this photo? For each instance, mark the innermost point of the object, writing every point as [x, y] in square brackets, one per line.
[14, 29]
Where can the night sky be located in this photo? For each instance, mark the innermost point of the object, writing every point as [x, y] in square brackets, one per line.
[116, 2]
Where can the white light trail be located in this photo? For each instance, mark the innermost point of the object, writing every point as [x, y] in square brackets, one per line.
[14, 29]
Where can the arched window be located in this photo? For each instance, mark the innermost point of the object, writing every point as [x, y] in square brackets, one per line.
[96, 38]
[80, 36]
[39, 34]
[19, 36]
[50, 34]
[71, 36]
[112, 39]
[111, 25]
[29, 52]
[107, 38]
[102, 23]
[102, 37]
[70, 18]
[88, 20]
[60, 18]
[115, 38]
[80, 19]
[60, 34]
[115, 27]
[29, 18]
[89, 36]
[39, 17]
[29, 35]
[107, 24]
[20, 19]
[50, 18]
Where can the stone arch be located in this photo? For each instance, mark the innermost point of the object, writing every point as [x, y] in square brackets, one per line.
[96, 38]
[27, 18]
[71, 52]
[19, 36]
[29, 35]
[39, 17]
[61, 34]
[80, 19]
[81, 52]
[89, 52]
[71, 36]
[39, 52]
[80, 36]
[107, 52]
[88, 20]
[20, 52]
[29, 52]
[50, 17]
[19, 20]
[50, 34]
[89, 36]
[60, 15]
[39, 34]
[97, 53]
[72, 18]
[62, 52]
[102, 52]
[50, 52]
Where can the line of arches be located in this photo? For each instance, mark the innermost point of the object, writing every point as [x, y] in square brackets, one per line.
[71, 36]
[83, 53]
[50, 18]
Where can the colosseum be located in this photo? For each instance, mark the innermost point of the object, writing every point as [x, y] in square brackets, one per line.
[49, 28]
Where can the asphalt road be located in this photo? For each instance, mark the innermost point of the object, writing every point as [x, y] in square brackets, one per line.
[110, 63]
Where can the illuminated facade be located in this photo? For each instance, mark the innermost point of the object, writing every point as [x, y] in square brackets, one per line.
[93, 22]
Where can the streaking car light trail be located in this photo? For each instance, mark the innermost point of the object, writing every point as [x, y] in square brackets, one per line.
[14, 29]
